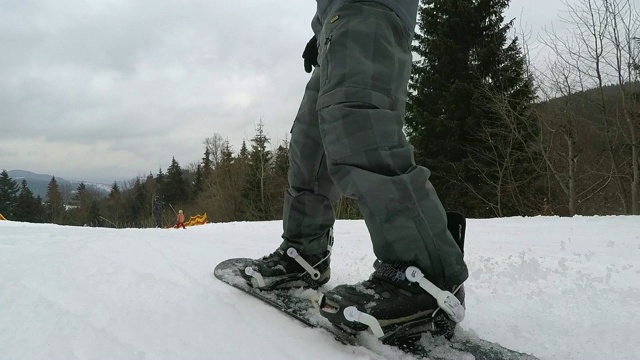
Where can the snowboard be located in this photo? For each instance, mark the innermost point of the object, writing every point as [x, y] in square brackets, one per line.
[303, 305]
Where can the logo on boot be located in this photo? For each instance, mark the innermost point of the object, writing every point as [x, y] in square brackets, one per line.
[391, 272]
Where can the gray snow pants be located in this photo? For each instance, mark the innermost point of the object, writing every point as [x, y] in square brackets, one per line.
[347, 139]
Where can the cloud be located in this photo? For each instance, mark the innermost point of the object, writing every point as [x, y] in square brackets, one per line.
[111, 89]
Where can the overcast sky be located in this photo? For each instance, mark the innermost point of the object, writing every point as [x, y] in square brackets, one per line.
[105, 90]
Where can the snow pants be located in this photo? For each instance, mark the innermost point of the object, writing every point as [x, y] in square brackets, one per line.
[347, 139]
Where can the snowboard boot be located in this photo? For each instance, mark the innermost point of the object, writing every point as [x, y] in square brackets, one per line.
[392, 305]
[286, 268]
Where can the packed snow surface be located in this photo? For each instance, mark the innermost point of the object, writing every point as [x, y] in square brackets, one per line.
[557, 288]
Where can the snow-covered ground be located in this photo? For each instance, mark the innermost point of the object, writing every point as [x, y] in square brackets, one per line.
[557, 288]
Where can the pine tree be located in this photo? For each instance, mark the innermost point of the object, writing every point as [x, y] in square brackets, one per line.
[75, 215]
[39, 213]
[175, 187]
[207, 164]
[86, 211]
[94, 216]
[115, 189]
[114, 206]
[54, 206]
[23, 203]
[469, 109]
[160, 183]
[8, 194]
[202, 180]
[226, 192]
[244, 151]
[137, 207]
[256, 191]
[281, 161]
[280, 178]
[226, 155]
[28, 208]
[198, 181]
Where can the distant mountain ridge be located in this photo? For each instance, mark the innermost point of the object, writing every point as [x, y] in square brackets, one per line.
[38, 183]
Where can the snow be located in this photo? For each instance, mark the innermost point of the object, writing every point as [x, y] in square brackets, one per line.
[558, 288]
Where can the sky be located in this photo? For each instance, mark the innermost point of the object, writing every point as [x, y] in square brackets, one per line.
[556, 288]
[107, 90]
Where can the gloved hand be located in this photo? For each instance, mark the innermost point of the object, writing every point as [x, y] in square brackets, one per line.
[310, 54]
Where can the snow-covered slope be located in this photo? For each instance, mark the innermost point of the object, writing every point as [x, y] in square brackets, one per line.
[554, 287]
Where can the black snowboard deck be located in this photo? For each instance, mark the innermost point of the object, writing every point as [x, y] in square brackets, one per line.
[302, 305]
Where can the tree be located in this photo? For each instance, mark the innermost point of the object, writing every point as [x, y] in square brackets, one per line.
[175, 188]
[86, 211]
[28, 208]
[228, 182]
[280, 175]
[624, 24]
[54, 205]
[213, 151]
[202, 180]
[160, 180]
[594, 62]
[137, 205]
[577, 171]
[243, 154]
[8, 194]
[256, 193]
[198, 181]
[281, 160]
[469, 109]
[114, 206]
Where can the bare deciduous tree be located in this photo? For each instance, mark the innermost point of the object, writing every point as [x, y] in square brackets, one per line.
[596, 54]
[215, 145]
[623, 25]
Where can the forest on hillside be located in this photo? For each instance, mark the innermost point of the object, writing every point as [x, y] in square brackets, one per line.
[503, 135]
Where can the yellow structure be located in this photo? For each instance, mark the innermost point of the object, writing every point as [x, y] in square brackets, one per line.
[3, 218]
[197, 220]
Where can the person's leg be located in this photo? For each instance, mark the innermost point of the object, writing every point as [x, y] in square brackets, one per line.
[308, 213]
[365, 63]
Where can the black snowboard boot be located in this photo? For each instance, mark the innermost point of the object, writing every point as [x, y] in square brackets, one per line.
[390, 298]
[285, 269]
[399, 305]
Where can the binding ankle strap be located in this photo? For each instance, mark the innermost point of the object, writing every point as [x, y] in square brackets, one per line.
[293, 253]
[315, 274]
[446, 300]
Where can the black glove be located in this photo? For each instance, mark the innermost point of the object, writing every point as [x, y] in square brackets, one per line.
[310, 54]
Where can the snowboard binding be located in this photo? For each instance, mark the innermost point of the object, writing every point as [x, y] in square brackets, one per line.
[311, 276]
[311, 271]
[440, 322]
